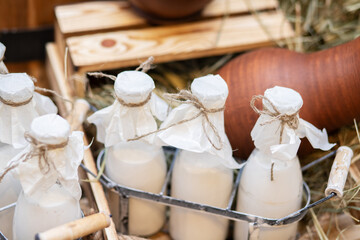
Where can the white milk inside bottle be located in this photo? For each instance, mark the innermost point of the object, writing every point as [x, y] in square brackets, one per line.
[48, 175]
[141, 166]
[9, 190]
[138, 163]
[203, 171]
[266, 198]
[200, 178]
[56, 207]
[271, 182]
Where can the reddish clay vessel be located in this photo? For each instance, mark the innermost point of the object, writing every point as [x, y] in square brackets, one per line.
[328, 81]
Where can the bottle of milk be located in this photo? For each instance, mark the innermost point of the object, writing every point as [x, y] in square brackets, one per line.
[203, 171]
[271, 181]
[19, 105]
[48, 172]
[134, 163]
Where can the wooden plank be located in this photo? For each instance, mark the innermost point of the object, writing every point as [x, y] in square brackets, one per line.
[58, 81]
[169, 43]
[59, 40]
[95, 16]
[55, 72]
[220, 7]
[22, 14]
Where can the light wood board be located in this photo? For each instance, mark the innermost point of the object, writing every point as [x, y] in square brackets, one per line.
[101, 15]
[177, 42]
[58, 82]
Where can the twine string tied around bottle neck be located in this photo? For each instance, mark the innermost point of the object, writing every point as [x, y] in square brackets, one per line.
[39, 150]
[291, 120]
[185, 96]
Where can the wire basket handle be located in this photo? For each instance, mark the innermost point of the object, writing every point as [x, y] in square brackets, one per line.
[339, 172]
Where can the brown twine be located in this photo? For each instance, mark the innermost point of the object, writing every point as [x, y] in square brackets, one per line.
[146, 66]
[291, 120]
[203, 111]
[40, 150]
[100, 75]
[15, 104]
[140, 104]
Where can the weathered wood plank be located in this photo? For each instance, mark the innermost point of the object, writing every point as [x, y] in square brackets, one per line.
[168, 43]
[59, 83]
[105, 15]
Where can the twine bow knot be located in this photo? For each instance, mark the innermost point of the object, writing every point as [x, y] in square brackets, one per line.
[291, 120]
[38, 149]
[203, 111]
[190, 98]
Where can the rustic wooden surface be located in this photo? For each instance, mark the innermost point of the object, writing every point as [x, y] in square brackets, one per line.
[20, 14]
[328, 81]
[169, 43]
[58, 82]
[98, 16]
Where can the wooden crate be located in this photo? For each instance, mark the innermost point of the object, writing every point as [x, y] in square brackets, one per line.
[109, 35]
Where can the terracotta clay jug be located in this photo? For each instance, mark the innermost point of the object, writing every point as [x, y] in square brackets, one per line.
[328, 81]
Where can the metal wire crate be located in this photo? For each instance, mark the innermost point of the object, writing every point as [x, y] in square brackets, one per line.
[254, 221]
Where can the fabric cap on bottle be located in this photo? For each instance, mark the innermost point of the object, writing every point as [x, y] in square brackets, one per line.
[16, 87]
[286, 100]
[2, 51]
[133, 86]
[50, 129]
[211, 90]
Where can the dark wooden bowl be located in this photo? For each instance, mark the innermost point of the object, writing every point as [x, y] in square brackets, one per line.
[328, 81]
[169, 10]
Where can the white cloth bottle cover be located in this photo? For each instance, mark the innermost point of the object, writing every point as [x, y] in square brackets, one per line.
[132, 113]
[277, 124]
[3, 68]
[198, 135]
[53, 156]
[19, 105]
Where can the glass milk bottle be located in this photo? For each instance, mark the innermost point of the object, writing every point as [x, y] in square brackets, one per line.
[19, 105]
[47, 170]
[203, 171]
[9, 190]
[137, 163]
[271, 182]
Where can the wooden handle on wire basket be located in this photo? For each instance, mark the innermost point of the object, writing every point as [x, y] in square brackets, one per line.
[76, 229]
[339, 172]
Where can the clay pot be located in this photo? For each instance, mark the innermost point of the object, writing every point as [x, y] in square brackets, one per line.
[157, 10]
[328, 81]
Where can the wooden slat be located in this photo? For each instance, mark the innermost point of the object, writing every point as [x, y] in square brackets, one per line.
[95, 16]
[58, 82]
[220, 7]
[169, 43]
